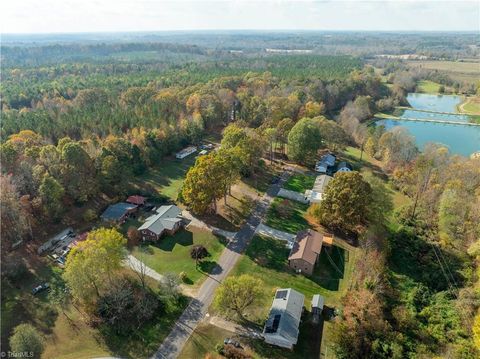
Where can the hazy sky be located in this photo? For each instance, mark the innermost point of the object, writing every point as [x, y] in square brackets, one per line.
[44, 16]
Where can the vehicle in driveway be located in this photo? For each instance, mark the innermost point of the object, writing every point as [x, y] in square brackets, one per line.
[40, 288]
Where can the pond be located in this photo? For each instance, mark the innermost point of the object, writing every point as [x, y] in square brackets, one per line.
[460, 139]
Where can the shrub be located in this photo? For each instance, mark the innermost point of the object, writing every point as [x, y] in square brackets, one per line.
[89, 215]
[133, 237]
[230, 352]
[26, 338]
[183, 276]
[198, 252]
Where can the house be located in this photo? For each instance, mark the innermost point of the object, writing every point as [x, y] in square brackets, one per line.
[315, 195]
[119, 212]
[317, 307]
[167, 220]
[186, 152]
[344, 167]
[281, 327]
[305, 251]
[137, 200]
[326, 163]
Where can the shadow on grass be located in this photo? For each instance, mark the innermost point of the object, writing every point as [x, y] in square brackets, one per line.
[268, 252]
[182, 238]
[330, 267]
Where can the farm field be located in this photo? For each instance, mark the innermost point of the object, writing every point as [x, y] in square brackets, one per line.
[462, 71]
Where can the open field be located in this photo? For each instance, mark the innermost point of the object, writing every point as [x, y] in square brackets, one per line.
[426, 86]
[172, 253]
[471, 106]
[460, 71]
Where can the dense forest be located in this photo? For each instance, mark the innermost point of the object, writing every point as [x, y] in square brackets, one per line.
[81, 120]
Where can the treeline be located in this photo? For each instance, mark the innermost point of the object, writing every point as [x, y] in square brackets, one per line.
[22, 87]
[416, 288]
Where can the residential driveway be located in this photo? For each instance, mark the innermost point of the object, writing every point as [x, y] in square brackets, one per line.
[293, 195]
[140, 267]
[196, 310]
[267, 231]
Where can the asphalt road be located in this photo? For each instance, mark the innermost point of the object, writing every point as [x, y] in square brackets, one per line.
[196, 310]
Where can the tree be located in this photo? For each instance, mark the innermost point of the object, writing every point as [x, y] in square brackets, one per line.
[198, 252]
[133, 237]
[14, 224]
[476, 330]
[313, 109]
[26, 339]
[170, 285]
[304, 141]
[236, 294]
[204, 184]
[346, 203]
[51, 193]
[91, 266]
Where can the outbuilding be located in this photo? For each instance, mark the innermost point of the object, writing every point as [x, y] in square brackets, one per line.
[186, 152]
[119, 212]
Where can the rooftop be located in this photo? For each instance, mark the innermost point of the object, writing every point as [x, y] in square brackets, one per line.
[117, 210]
[138, 200]
[285, 314]
[307, 246]
[166, 218]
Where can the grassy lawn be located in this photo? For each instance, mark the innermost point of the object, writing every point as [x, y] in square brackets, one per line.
[203, 341]
[286, 215]
[266, 258]
[300, 182]
[427, 86]
[165, 179]
[262, 178]
[471, 105]
[172, 253]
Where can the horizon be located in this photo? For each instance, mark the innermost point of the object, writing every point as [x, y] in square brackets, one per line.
[144, 16]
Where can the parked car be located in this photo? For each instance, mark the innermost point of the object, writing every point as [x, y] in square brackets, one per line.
[40, 288]
[230, 341]
[148, 207]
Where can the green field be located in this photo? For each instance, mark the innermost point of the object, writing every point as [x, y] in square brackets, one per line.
[471, 105]
[427, 86]
[300, 182]
[457, 70]
[286, 215]
[172, 253]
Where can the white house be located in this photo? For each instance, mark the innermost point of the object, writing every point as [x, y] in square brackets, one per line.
[281, 327]
[186, 152]
[344, 167]
[326, 162]
[315, 195]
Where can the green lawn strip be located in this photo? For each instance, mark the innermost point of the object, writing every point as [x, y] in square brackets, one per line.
[172, 253]
[300, 182]
[286, 215]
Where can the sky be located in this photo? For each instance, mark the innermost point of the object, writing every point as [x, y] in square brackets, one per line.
[66, 16]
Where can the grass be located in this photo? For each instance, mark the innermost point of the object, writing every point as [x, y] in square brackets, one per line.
[203, 340]
[262, 178]
[471, 105]
[266, 259]
[287, 216]
[166, 179]
[460, 71]
[172, 253]
[427, 86]
[300, 182]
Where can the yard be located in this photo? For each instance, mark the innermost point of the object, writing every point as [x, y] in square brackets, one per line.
[166, 178]
[286, 215]
[266, 259]
[300, 182]
[172, 253]
[68, 335]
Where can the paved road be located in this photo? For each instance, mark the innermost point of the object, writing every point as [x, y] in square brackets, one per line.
[196, 310]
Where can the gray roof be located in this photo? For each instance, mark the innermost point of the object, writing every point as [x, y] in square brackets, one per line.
[166, 218]
[116, 211]
[285, 314]
[317, 301]
[321, 183]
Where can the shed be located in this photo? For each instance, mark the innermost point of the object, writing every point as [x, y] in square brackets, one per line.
[186, 152]
[137, 200]
[118, 212]
[344, 167]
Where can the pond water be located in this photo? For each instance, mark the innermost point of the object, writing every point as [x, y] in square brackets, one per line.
[463, 140]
